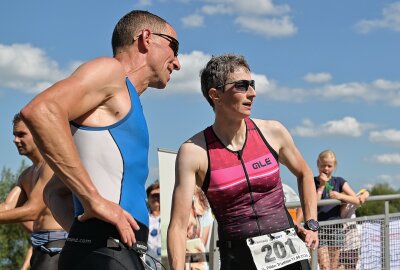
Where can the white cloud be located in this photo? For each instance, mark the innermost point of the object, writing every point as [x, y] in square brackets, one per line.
[253, 7]
[388, 137]
[393, 180]
[390, 20]
[318, 77]
[187, 80]
[26, 68]
[388, 159]
[193, 20]
[261, 17]
[348, 126]
[386, 85]
[275, 27]
[379, 90]
[345, 90]
[216, 9]
[262, 83]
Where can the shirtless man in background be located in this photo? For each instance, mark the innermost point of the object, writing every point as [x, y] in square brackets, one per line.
[25, 203]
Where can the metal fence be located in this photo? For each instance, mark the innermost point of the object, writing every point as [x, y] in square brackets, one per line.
[368, 242]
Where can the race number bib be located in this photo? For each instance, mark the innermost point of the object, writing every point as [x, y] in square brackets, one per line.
[276, 250]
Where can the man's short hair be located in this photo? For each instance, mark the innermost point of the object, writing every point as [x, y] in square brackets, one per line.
[17, 118]
[216, 72]
[155, 185]
[129, 26]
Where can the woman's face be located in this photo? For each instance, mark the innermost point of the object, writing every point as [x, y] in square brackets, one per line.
[234, 99]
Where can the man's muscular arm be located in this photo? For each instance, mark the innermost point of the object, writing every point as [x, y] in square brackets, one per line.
[16, 196]
[33, 206]
[93, 84]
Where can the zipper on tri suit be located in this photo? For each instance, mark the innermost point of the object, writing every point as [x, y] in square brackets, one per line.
[239, 154]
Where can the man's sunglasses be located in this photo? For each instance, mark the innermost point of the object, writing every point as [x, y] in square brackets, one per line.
[155, 195]
[241, 85]
[173, 43]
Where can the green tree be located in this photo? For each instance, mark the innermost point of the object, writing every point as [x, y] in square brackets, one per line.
[377, 208]
[13, 238]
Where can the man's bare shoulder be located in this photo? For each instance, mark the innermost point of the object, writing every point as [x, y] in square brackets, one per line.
[25, 176]
[103, 69]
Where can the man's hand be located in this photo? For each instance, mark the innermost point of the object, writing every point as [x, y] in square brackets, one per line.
[113, 213]
[309, 237]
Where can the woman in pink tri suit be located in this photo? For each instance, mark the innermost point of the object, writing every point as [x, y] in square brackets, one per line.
[236, 163]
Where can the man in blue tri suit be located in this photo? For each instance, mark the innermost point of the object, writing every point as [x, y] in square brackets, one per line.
[91, 130]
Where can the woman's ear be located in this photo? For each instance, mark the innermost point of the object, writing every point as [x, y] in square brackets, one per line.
[214, 95]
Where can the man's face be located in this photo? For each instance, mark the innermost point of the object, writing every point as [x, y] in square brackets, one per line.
[163, 58]
[23, 139]
[154, 200]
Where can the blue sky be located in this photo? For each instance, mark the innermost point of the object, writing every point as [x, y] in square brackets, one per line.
[328, 70]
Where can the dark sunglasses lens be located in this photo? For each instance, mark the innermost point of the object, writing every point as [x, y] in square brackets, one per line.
[155, 195]
[242, 85]
[175, 47]
[253, 84]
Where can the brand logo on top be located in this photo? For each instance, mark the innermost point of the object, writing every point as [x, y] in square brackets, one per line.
[261, 163]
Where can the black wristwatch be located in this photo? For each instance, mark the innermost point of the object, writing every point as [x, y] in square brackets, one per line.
[311, 225]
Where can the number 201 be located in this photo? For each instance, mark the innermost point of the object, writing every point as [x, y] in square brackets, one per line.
[279, 250]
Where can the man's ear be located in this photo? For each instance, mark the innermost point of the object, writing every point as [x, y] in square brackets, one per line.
[144, 40]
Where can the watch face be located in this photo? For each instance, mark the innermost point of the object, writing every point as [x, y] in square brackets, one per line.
[312, 224]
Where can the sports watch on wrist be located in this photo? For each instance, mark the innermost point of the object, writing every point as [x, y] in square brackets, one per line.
[311, 225]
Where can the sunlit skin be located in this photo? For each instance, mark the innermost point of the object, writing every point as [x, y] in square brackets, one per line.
[23, 139]
[236, 102]
[24, 203]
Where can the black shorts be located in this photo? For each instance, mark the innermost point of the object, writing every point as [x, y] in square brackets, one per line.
[238, 257]
[87, 248]
[44, 260]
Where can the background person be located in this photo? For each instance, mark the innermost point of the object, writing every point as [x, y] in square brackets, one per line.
[331, 187]
[350, 253]
[25, 203]
[154, 241]
[237, 168]
[198, 232]
[291, 196]
[104, 162]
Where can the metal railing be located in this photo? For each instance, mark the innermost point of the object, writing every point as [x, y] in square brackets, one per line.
[377, 239]
[373, 240]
